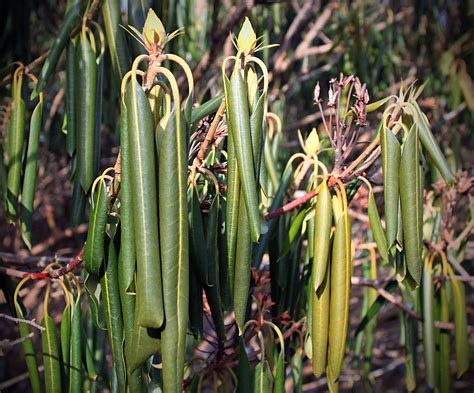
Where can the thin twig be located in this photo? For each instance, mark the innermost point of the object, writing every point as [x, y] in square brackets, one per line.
[19, 320]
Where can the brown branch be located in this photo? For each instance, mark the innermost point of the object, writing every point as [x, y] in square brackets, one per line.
[209, 136]
[19, 320]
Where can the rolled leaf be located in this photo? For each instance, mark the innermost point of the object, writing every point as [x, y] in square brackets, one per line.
[94, 250]
[410, 201]
[116, 39]
[243, 259]
[29, 179]
[149, 309]
[85, 99]
[173, 211]
[390, 148]
[113, 314]
[52, 366]
[376, 227]
[71, 19]
[431, 146]
[322, 233]
[239, 117]
[16, 134]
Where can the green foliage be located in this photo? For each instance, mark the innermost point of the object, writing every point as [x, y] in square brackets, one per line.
[219, 253]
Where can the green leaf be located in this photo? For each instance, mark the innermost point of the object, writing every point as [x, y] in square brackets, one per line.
[65, 337]
[376, 227]
[149, 309]
[195, 306]
[444, 343]
[85, 99]
[28, 351]
[390, 168]
[95, 249]
[197, 239]
[460, 326]
[16, 134]
[261, 380]
[93, 291]
[322, 233]
[244, 379]
[29, 179]
[320, 303]
[339, 300]
[410, 204]
[206, 109]
[71, 87]
[71, 19]
[173, 212]
[113, 313]
[240, 132]
[116, 39]
[52, 368]
[75, 369]
[428, 323]
[297, 370]
[375, 308]
[293, 233]
[242, 265]
[429, 142]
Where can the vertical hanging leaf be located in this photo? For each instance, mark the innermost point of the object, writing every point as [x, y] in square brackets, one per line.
[376, 226]
[322, 233]
[195, 305]
[320, 303]
[460, 324]
[297, 370]
[52, 367]
[95, 248]
[339, 301]
[390, 168]
[444, 339]
[65, 337]
[173, 210]
[116, 40]
[197, 239]
[28, 351]
[239, 116]
[113, 313]
[85, 85]
[244, 379]
[149, 304]
[16, 134]
[75, 369]
[429, 142]
[242, 265]
[410, 204]
[71, 58]
[29, 179]
[71, 19]
[261, 381]
[428, 322]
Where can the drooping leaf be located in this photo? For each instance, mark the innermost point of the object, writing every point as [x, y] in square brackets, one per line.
[390, 168]
[29, 178]
[94, 250]
[411, 207]
[71, 20]
[173, 214]
[85, 101]
[149, 304]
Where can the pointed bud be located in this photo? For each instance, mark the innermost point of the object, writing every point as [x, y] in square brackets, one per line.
[153, 30]
[312, 142]
[247, 40]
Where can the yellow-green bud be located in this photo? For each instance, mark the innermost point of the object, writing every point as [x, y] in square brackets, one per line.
[247, 40]
[153, 30]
